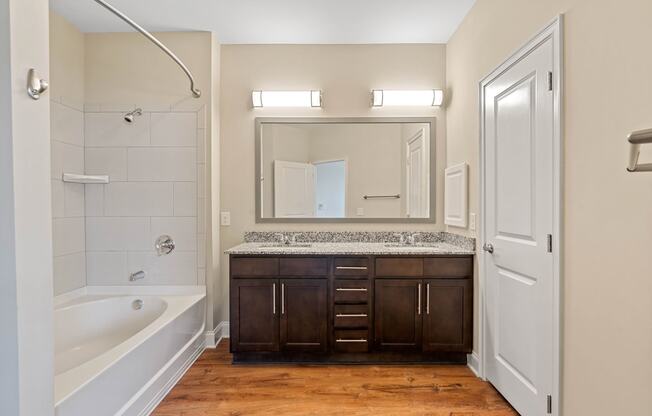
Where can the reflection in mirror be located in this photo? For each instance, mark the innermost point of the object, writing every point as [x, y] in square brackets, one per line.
[345, 170]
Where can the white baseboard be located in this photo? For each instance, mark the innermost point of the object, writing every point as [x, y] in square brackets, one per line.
[222, 331]
[473, 361]
[214, 337]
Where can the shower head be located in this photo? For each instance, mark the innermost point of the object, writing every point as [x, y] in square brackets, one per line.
[129, 117]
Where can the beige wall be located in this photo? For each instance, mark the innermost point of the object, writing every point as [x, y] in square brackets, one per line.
[346, 74]
[607, 289]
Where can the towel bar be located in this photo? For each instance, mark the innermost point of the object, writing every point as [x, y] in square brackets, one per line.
[636, 139]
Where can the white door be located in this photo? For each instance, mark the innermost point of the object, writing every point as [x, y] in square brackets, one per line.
[417, 176]
[330, 189]
[293, 189]
[518, 175]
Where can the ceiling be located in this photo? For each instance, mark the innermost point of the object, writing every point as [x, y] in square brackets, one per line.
[280, 21]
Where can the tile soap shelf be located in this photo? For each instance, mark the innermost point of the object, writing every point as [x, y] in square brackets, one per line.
[75, 178]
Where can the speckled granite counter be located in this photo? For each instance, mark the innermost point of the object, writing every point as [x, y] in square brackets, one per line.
[354, 243]
[349, 249]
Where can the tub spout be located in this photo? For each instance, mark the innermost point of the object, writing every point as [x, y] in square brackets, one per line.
[137, 276]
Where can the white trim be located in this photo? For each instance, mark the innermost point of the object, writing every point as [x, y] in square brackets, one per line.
[214, 337]
[553, 30]
[473, 362]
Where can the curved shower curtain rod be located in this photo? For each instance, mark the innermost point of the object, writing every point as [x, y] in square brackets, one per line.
[195, 91]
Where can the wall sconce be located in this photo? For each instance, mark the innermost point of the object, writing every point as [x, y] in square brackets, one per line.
[286, 99]
[380, 98]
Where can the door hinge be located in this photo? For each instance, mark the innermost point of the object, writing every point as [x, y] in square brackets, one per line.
[549, 246]
[549, 80]
[549, 404]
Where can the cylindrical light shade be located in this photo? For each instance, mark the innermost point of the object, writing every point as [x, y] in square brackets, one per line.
[382, 98]
[286, 98]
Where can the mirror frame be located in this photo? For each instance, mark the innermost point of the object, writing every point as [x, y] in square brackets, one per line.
[261, 121]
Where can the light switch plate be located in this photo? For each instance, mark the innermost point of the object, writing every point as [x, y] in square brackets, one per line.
[225, 218]
[472, 221]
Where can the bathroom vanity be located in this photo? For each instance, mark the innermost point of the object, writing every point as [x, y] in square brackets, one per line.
[351, 302]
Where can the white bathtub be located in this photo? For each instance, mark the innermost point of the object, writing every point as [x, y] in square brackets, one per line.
[114, 358]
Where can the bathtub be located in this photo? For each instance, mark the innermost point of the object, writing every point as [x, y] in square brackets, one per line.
[119, 351]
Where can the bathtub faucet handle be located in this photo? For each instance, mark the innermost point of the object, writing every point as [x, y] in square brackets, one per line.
[137, 276]
[164, 245]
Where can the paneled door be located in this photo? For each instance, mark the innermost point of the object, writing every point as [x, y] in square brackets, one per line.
[518, 225]
[255, 315]
[398, 319]
[304, 315]
[447, 315]
[294, 189]
[417, 175]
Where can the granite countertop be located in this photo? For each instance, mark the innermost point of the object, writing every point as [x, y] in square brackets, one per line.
[350, 248]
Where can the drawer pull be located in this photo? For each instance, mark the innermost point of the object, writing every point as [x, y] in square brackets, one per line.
[351, 289]
[351, 267]
[351, 340]
[351, 315]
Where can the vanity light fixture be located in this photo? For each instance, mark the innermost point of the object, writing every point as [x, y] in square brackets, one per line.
[380, 98]
[311, 98]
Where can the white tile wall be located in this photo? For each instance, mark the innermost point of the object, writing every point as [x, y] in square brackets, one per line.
[138, 199]
[68, 199]
[118, 234]
[162, 164]
[66, 124]
[69, 272]
[110, 130]
[110, 161]
[174, 129]
[107, 267]
[153, 190]
[185, 199]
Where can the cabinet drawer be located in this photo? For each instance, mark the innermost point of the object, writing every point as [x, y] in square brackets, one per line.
[351, 291]
[351, 266]
[351, 316]
[254, 266]
[351, 340]
[303, 266]
[396, 267]
[448, 266]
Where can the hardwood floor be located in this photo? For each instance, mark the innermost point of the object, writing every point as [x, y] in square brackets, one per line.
[213, 386]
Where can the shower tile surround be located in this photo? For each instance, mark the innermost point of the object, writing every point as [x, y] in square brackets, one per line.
[102, 233]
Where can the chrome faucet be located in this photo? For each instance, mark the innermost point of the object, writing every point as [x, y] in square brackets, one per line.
[137, 276]
[412, 239]
[286, 239]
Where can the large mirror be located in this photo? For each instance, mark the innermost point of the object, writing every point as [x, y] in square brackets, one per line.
[345, 169]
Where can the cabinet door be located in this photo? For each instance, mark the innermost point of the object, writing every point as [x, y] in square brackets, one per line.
[254, 315]
[304, 315]
[398, 312]
[448, 315]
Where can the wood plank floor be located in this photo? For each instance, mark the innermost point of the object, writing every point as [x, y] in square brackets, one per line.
[212, 386]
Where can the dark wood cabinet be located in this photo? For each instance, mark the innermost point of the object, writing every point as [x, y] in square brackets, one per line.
[448, 317]
[254, 315]
[288, 308]
[398, 314]
[304, 315]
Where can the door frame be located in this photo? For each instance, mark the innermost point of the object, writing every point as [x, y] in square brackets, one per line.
[554, 31]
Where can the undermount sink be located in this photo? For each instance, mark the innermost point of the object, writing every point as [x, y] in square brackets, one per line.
[281, 245]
